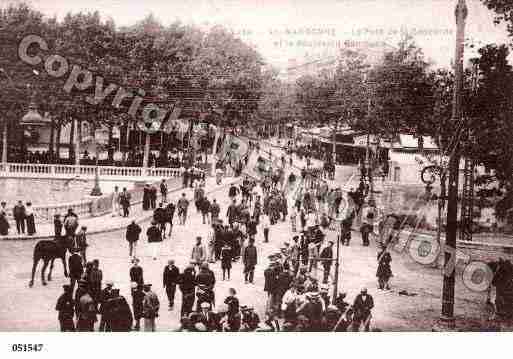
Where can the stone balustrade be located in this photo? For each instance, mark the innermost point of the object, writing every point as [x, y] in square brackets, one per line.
[89, 207]
[70, 171]
[47, 213]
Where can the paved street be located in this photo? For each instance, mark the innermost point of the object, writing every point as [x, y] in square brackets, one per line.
[32, 309]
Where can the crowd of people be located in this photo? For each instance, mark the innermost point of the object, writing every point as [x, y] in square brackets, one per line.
[297, 300]
[134, 158]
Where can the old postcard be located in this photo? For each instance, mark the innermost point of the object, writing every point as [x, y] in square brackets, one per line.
[255, 166]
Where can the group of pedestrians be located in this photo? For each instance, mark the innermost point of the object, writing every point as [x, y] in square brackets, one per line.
[297, 299]
[23, 215]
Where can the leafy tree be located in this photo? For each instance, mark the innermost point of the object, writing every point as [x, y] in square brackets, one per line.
[402, 98]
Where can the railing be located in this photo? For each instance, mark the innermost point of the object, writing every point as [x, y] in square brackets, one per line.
[90, 207]
[47, 213]
[34, 170]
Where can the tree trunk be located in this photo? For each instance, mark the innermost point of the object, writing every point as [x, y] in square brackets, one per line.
[58, 143]
[4, 142]
[123, 132]
[78, 141]
[71, 142]
[146, 151]
[52, 140]
[110, 151]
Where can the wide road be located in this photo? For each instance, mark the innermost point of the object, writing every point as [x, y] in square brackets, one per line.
[32, 309]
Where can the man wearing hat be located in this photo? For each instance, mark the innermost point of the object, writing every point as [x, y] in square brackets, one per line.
[117, 313]
[159, 216]
[81, 242]
[294, 254]
[136, 272]
[182, 205]
[313, 257]
[154, 239]
[188, 289]
[271, 276]
[362, 306]
[170, 279]
[205, 282]
[85, 308]
[65, 307]
[326, 258]
[249, 258]
[209, 319]
[250, 319]
[76, 269]
[325, 297]
[199, 252]
[137, 304]
[105, 295]
[133, 230]
[312, 309]
[151, 306]
[289, 305]
[57, 226]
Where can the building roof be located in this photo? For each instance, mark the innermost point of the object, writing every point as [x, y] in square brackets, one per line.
[408, 142]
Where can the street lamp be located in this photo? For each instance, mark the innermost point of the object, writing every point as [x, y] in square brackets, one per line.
[30, 119]
[447, 315]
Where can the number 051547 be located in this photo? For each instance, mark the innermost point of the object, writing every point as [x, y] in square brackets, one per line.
[26, 347]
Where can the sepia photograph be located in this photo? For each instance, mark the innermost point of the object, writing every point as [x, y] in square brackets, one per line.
[255, 166]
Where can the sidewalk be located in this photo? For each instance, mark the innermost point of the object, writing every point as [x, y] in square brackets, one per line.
[109, 223]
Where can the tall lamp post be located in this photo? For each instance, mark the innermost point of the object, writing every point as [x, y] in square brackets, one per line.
[447, 316]
[32, 118]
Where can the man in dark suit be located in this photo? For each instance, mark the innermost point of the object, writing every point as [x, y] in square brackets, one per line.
[363, 304]
[159, 216]
[171, 278]
[326, 258]
[271, 275]
[154, 239]
[132, 236]
[249, 258]
[19, 217]
[170, 213]
[65, 307]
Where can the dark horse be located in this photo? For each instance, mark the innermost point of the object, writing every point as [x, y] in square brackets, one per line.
[48, 251]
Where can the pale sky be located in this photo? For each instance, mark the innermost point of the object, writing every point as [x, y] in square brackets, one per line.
[266, 23]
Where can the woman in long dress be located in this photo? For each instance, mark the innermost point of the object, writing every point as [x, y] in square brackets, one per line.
[384, 271]
[4, 224]
[31, 225]
[146, 197]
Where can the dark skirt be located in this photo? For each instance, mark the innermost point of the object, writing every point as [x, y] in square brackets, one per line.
[4, 226]
[31, 226]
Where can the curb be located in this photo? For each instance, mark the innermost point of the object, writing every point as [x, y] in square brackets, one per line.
[139, 220]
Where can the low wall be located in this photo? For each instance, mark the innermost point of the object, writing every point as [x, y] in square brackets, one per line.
[94, 206]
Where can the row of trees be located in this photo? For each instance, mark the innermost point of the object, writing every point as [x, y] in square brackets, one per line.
[403, 93]
[202, 72]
